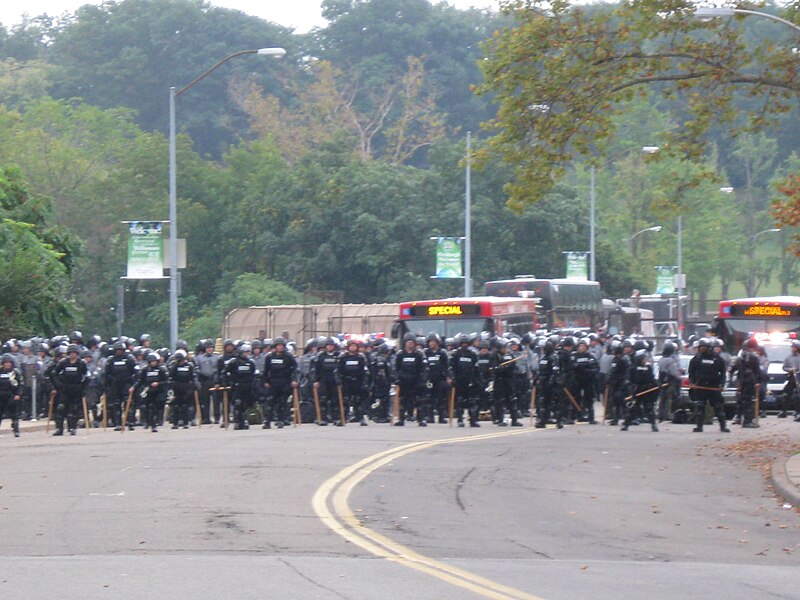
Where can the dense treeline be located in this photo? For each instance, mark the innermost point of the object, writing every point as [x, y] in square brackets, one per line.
[327, 170]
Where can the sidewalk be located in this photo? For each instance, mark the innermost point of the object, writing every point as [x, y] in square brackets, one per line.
[786, 478]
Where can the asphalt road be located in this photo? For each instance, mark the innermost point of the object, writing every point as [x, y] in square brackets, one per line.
[586, 512]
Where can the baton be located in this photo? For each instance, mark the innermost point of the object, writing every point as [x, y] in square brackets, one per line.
[341, 406]
[105, 412]
[127, 409]
[86, 415]
[508, 362]
[758, 405]
[572, 399]
[396, 407]
[451, 404]
[605, 404]
[316, 405]
[705, 387]
[199, 414]
[50, 410]
[533, 401]
[644, 393]
[225, 417]
[296, 404]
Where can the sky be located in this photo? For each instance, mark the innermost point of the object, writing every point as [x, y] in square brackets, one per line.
[300, 14]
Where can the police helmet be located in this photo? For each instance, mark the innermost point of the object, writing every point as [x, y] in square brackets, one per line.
[716, 342]
[277, 341]
[668, 350]
[331, 342]
[409, 337]
[583, 342]
[434, 337]
[751, 344]
[526, 339]
[75, 336]
[73, 348]
[181, 344]
[462, 338]
[377, 343]
[548, 347]
[311, 343]
[61, 350]
[796, 345]
[43, 347]
[145, 337]
[450, 342]
[118, 346]
[180, 354]
[153, 356]
[640, 355]
[500, 343]
[639, 345]
[256, 344]
[616, 347]
[268, 343]
[627, 343]
[568, 342]
[703, 341]
[6, 358]
[484, 344]
[163, 353]
[244, 348]
[227, 342]
[208, 343]
[514, 341]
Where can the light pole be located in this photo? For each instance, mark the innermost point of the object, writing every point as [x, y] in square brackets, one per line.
[468, 222]
[638, 233]
[173, 199]
[709, 12]
[754, 237]
[593, 208]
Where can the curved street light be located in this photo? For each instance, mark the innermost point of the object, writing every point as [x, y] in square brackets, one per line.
[655, 228]
[754, 237]
[712, 12]
[173, 200]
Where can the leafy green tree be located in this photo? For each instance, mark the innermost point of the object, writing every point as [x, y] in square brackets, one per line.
[561, 73]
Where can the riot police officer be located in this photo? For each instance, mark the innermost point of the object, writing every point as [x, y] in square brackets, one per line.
[618, 382]
[791, 393]
[549, 383]
[504, 397]
[184, 383]
[240, 375]
[120, 372]
[643, 382]
[151, 386]
[279, 379]
[585, 368]
[326, 381]
[11, 388]
[466, 379]
[352, 369]
[69, 377]
[438, 383]
[669, 377]
[410, 373]
[748, 370]
[707, 376]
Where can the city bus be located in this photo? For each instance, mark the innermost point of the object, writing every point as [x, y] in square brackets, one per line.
[451, 316]
[738, 320]
[564, 303]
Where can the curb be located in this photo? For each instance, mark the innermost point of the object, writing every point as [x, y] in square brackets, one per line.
[781, 482]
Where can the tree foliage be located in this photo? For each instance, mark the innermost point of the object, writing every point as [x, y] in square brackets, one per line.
[561, 73]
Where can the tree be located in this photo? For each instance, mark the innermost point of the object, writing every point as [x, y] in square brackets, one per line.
[34, 279]
[561, 73]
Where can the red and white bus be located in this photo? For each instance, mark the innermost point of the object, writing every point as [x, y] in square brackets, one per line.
[738, 320]
[451, 316]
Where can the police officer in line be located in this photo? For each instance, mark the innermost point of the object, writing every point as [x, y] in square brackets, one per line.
[549, 382]
[11, 391]
[669, 377]
[410, 376]
[643, 382]
[69, 378]
[352, 371]
[184, 384]
[326, 381]
[618, 383]
[567, 374]
[240, 375]
[503, 374]
[228, 354]
[206, 362]
[151, 386]
[707, 375]
[585, 368]
[747, 369]
[522, 356]
[380, 380]
[279, 379]
[466, 379]
[305, 367]
[438, 383]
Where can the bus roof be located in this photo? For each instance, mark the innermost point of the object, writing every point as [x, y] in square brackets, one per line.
[473, 299]
[543, 279]
[768, 299]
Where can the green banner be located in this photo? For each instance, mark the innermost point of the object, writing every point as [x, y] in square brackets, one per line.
[665, 280]
[577, 265]
[448, 258]
[145, 251]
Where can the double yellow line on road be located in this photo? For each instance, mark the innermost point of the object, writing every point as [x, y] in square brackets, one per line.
[330, 502]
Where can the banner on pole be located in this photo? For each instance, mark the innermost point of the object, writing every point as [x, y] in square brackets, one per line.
[665, 281]
[448, 258]
[145, 251]
[577, 265]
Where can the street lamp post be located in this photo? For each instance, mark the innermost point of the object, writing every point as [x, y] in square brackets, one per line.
[712, 12]
[593, 208]
[638, 233]
[754, 237]
[173, 195]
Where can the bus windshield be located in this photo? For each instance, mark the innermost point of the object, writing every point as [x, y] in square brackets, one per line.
[447, 327]
[738, 330]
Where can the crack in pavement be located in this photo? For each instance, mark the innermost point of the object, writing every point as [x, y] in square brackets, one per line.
[309, 580]
[459, 485]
